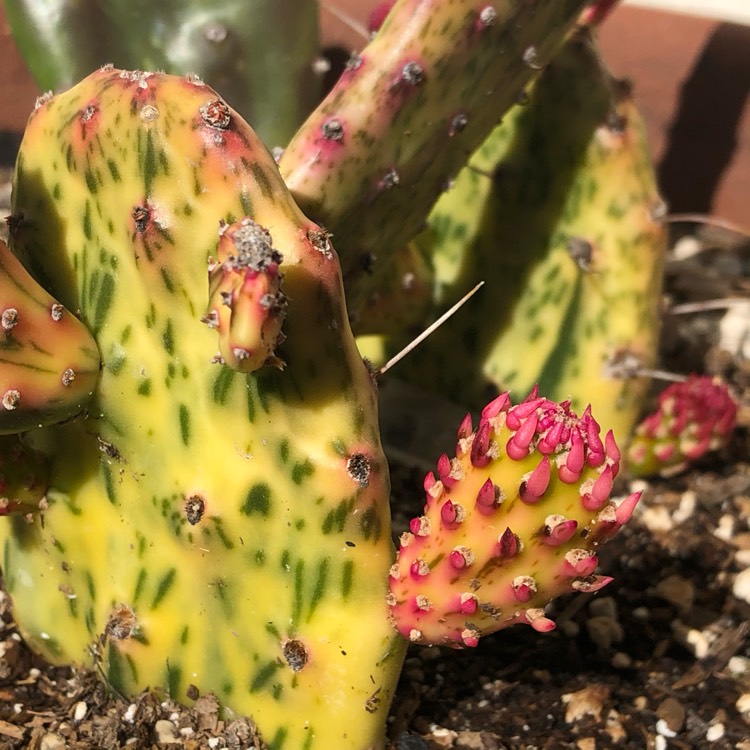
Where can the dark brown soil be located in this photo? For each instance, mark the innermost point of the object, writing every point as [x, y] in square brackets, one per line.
[659, 659]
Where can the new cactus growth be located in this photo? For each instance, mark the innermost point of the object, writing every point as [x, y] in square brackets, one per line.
[205, 526]
[246, 303]
[512, 521]
[49, 362]
[694, 417]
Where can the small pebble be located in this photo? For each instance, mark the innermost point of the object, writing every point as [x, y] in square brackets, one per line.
[725, 529]
[663, 729]
[743, 703]
[587, 743]
[686, 507]
[52, 742]
[672, 713]
[166, 732]
[79, 712]
[741, 585]
[678, 591]
[660, 742]
[657, 519]
[586, 702]
[715, 732]
[604, 606]
[621, 660]
[213, 742]
[129, 714]
[604, 631]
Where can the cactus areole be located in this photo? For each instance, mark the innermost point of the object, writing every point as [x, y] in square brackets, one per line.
[218, 516]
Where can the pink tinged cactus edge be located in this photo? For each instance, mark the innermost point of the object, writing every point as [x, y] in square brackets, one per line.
[512, 521]
[373, 158]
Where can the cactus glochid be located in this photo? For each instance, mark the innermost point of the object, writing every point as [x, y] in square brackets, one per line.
[511, 522]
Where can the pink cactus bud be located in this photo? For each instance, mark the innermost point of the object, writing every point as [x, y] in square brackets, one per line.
[590, 584]
[480, 448]
[498, 405]
[461, 557]
[602, 487]
[420, 526]
[470, 638]
[465, 428]
[557, 530]
[524, 588]
[572, 465]
[467, 604]
[624, 510]
[538, 620]
[535, 484]
[508, 545]
[580, 563]
[489, 498]
[452, 514]
[419, 569]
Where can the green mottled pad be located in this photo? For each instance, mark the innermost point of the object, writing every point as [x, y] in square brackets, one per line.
[206, 527]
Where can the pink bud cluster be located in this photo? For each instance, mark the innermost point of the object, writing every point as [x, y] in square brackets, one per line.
[693, 418]
[510, 522]
[246, 305]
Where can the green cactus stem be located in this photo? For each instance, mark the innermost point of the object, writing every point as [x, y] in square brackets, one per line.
[49, 362]
[694, 417]
[259, 53]
[24, 477]
[372, 159]
[558, 213]
[511, 522]
[206, 526]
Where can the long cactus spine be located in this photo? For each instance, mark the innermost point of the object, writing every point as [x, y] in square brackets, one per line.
[205, 526]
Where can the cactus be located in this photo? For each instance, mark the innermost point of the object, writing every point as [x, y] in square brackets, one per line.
[205, 526]
[694, 417]
[564, 231]
[49, 363]
[259, 53]
[372, 159]
[511, 522]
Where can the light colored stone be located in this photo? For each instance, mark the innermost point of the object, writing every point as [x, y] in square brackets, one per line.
[586, 702]
[166, 732]
[52, 741]
[741, 585]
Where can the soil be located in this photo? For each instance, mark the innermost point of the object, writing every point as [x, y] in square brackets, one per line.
[659, 659]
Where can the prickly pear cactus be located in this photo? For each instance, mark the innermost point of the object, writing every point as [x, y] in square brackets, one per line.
[206, 526]
[694, 417]
[511, 522]
[558, 213]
